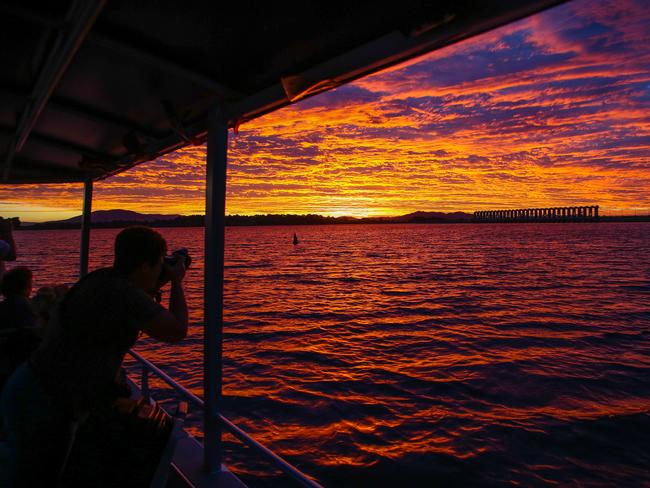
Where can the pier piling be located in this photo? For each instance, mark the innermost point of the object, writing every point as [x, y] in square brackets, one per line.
[551, 214]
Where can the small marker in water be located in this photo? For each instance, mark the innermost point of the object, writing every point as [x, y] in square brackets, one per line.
[295, 239]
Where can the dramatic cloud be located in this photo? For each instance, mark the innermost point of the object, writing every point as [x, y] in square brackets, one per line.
[551, 110]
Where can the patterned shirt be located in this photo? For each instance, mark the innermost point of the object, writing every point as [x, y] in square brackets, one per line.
[89, 333]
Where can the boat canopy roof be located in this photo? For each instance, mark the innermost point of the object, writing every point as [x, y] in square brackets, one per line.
[89, 88]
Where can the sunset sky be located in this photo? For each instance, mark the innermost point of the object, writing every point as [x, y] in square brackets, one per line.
[552, 110]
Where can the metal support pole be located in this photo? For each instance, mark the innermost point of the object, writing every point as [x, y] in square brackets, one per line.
[144, 383]
[85, 227]
[215, 211]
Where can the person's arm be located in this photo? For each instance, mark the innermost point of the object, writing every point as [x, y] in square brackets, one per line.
[171, 325]
[177, 304]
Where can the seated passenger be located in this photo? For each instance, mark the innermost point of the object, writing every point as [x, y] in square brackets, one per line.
[7, 244]
[16, 311]
[17, 322]
[73, 372]
[5, 249]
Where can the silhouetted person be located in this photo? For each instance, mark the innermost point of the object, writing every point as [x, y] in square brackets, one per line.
[16, 310]
[7, 244]
[5, 249]
[74, 371]
[18, 321]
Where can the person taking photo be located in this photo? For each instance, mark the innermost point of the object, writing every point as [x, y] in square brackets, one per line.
[74, 370]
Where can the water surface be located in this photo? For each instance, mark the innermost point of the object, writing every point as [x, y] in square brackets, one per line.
[424, 355]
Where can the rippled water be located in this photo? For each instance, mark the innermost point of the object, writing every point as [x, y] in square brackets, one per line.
[424, 355]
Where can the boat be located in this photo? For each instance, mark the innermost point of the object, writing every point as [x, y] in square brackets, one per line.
[91, 88]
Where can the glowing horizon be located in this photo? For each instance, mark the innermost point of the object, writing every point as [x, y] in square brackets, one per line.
[548, 111]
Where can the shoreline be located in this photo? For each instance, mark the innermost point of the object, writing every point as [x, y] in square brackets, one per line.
[263, 222]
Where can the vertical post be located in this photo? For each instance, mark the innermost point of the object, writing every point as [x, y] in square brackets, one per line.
[144, 383]
[85, 227]
[215, 212]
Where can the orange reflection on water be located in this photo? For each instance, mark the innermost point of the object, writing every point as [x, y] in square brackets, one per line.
[426, 346]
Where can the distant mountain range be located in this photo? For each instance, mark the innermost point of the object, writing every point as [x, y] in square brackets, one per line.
[122, 218]
[116, 215]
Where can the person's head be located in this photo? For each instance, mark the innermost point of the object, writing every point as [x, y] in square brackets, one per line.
[17, 282]
[139, 255]
[46, 298]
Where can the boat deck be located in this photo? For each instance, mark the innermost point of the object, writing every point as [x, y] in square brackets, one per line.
[186, 469]
[181, 465]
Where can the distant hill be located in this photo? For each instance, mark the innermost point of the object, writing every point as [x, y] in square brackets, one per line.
[116, 215]
[123, 218]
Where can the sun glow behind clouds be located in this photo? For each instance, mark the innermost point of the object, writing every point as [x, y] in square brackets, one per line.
[551, 110]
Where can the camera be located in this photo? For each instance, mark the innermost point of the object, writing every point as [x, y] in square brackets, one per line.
[173, 258]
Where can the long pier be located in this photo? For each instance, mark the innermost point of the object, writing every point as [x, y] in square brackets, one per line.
[551, 214]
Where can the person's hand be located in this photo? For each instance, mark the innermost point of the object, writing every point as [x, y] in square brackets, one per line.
[175, 272]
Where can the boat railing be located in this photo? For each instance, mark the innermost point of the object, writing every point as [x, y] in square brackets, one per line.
[147, 368]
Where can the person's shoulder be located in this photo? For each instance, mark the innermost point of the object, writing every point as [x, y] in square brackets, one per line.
[100, 282]
[110, 284]
[21, 312]
[107, 272]
[14, 302]
[100, 277]
[23, 302]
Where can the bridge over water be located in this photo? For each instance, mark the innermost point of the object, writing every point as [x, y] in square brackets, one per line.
[551, 214]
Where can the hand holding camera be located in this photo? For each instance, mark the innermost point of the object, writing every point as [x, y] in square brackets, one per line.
[174, 266]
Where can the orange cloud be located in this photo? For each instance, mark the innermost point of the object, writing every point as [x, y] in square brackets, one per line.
[551, 110]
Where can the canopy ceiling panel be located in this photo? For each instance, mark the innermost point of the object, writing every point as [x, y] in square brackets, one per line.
[63, 129]
[90, 88]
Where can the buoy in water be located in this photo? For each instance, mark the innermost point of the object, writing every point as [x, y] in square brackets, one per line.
[295, 239]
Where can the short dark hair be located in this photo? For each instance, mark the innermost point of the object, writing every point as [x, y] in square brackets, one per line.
[137, 245]
[16, 281]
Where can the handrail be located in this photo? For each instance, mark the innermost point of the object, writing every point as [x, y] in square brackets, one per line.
[188, 395]
[239, 433]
